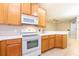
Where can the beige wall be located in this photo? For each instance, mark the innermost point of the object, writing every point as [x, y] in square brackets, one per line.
[58, 26]
[51, 26]
[63, 26]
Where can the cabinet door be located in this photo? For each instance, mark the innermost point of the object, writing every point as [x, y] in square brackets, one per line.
[64, 41]
[58, 41]
[44, 45]
[42, 17]
[34, 10]
[14, 14]
[14, 50]
[51, 41]
[3, 13]
[2, 48]
[26, 8]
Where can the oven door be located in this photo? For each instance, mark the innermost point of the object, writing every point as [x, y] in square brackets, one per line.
[31, 44]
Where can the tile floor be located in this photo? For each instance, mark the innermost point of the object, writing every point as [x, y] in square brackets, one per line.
[71, 50]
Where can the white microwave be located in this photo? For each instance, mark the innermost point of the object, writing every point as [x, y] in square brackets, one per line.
[26, 19]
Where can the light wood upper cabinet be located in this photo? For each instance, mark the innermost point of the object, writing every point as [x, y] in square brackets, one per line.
[42, 17]
[10, 13]
[34, 7]
[14, 14]
[26, 8]
[3, 13]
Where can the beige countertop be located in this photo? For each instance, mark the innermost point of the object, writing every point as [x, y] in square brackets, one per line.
[9, 37]
[53, 32]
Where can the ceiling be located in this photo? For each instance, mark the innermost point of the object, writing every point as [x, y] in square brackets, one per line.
[61, 11]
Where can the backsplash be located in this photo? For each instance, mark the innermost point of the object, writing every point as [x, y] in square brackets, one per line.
[12, 30]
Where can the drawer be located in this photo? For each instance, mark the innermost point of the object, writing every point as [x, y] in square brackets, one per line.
[3, 43]
[44, 37]
[51, 36]
[17, 40]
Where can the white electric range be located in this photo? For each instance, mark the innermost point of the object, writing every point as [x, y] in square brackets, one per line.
[31, 44]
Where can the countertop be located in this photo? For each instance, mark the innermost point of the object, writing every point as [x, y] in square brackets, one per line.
[53, 32]
[9, 37]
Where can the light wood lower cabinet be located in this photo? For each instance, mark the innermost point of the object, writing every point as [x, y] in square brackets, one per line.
[64, 41]
[58, 41]
[11, 47]
[61, 41]
[47, 42]
[44, 45]
[14, 50]
[2, 48]
[53, 41]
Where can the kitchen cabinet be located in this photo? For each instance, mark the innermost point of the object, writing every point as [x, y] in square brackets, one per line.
[61, 41]
[11, 47]
[14, 50]
[26, 8]
[2, 48]
[48, 42]
[64, 41]
[3, 13]
[51, 41]
[10, 13]
[34, 7]
[58, 41]
[29, 9]
[14, 17]
[44, 45]
[42, 17]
